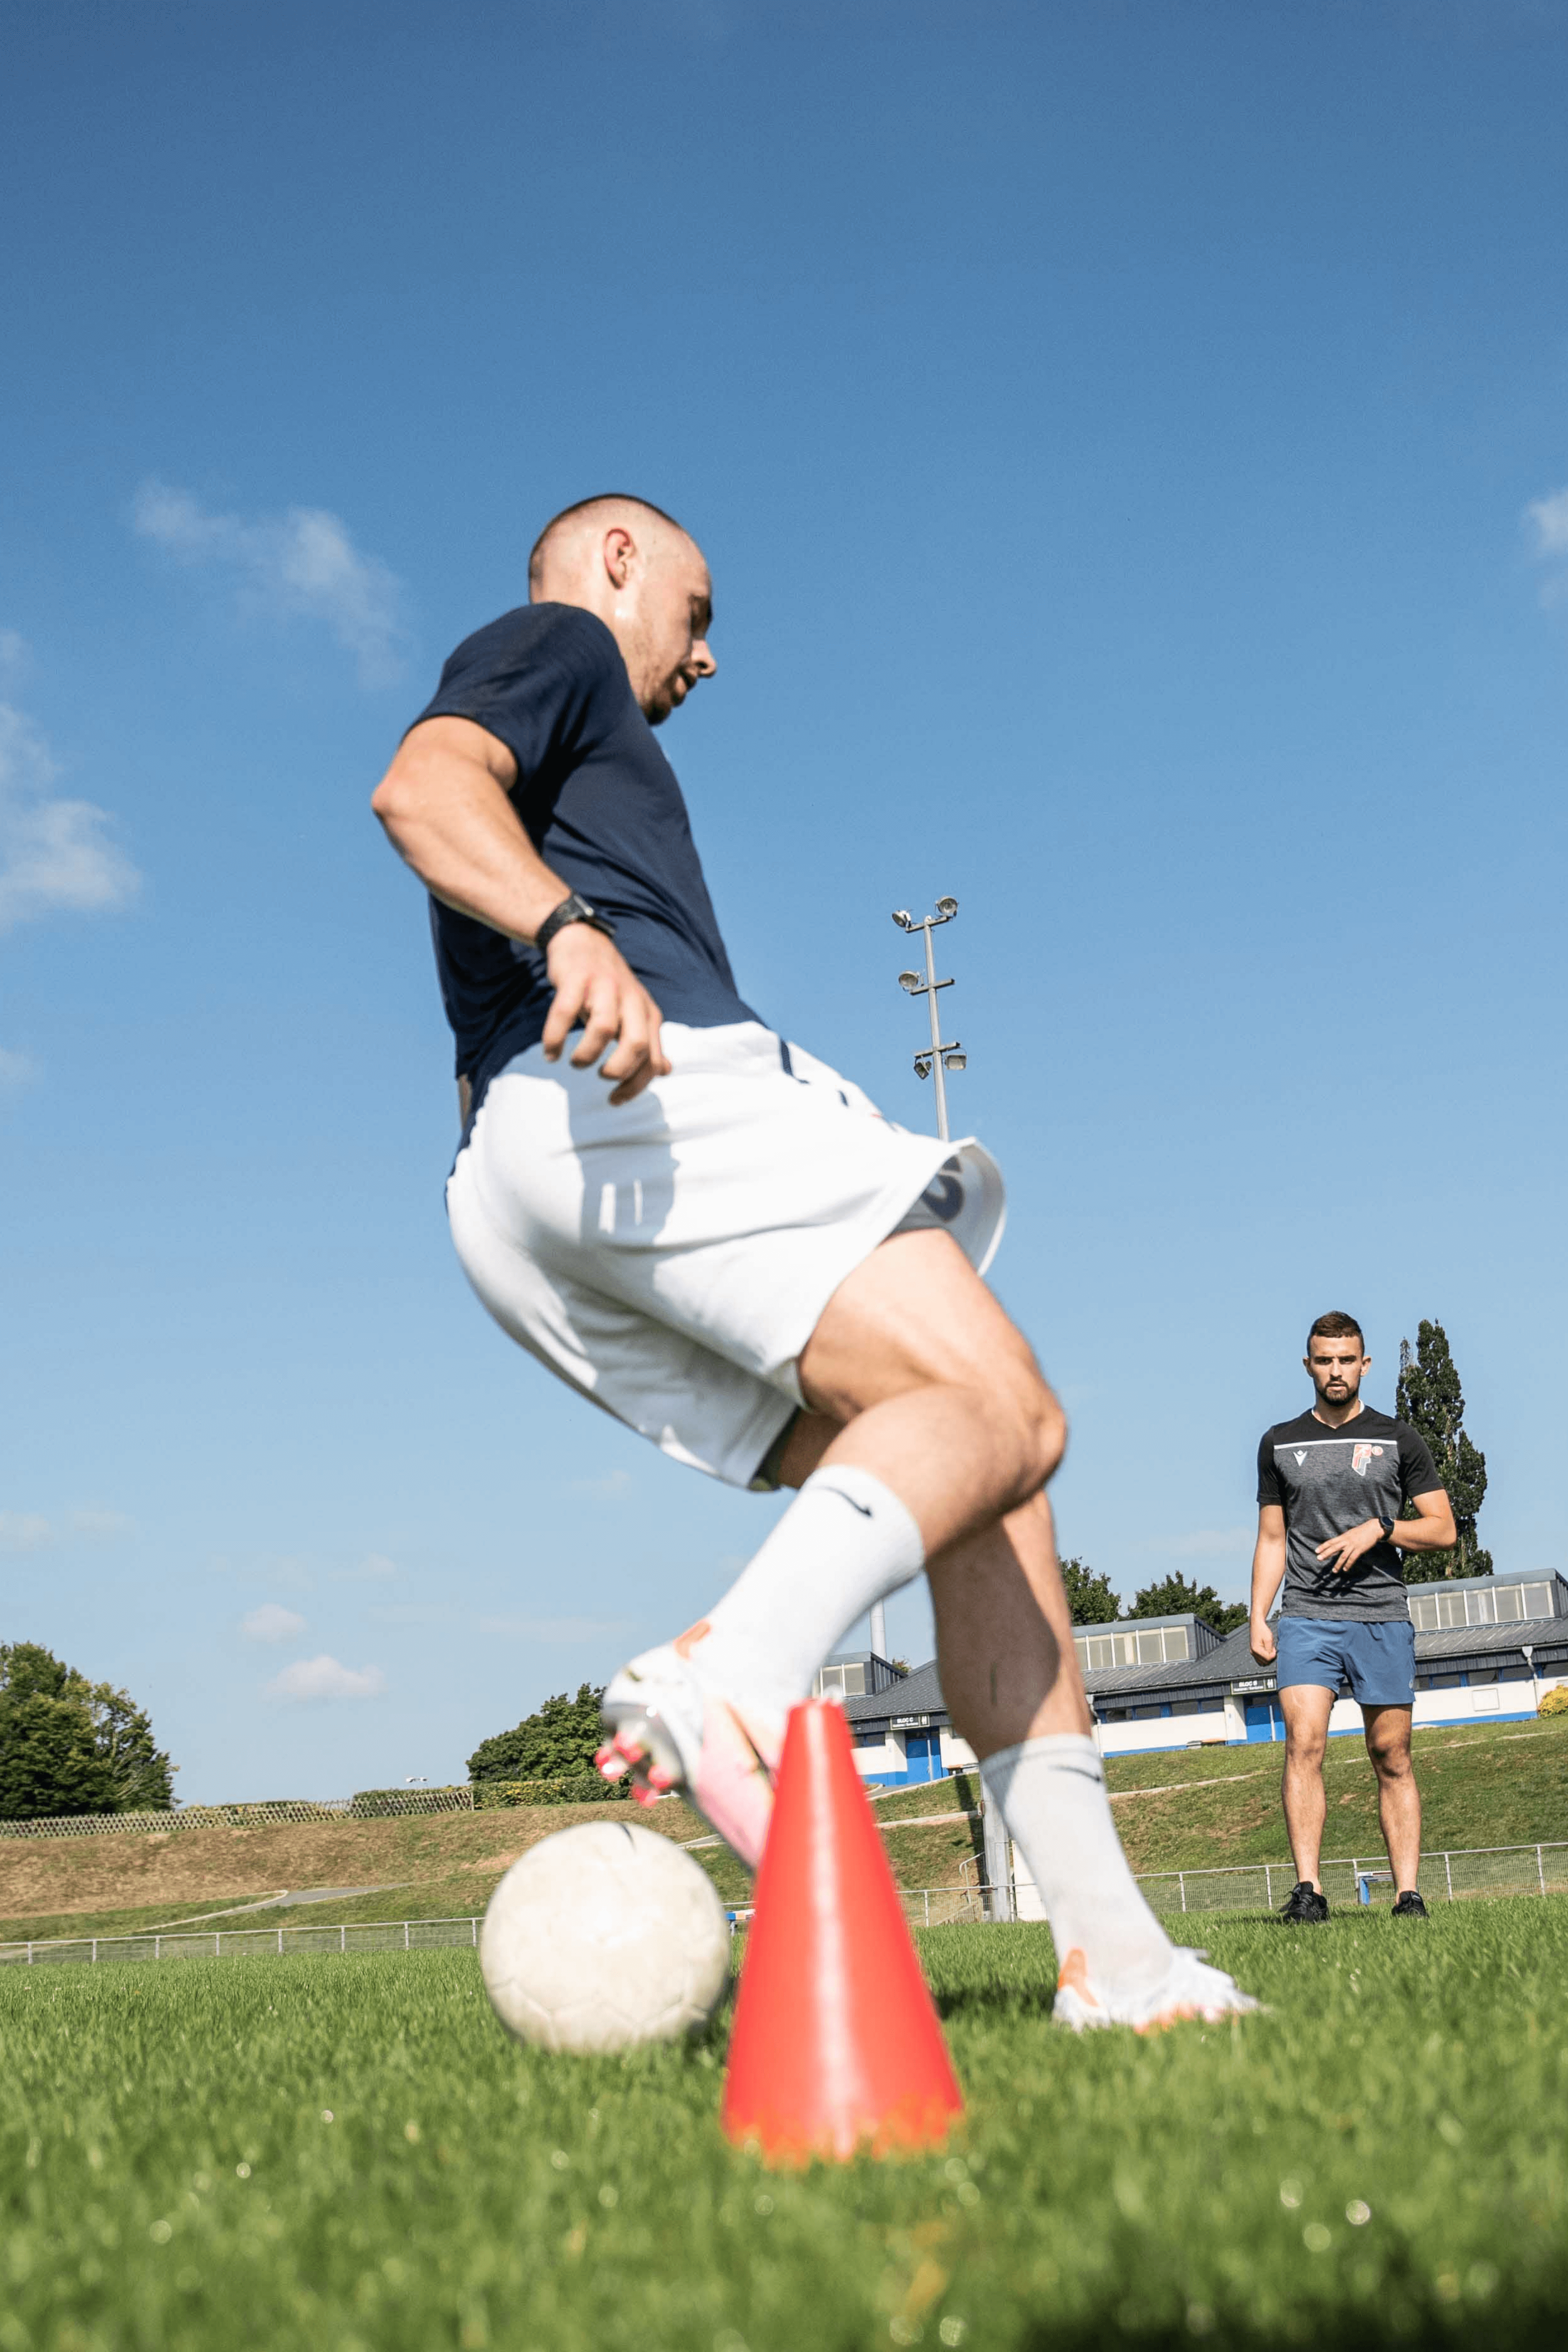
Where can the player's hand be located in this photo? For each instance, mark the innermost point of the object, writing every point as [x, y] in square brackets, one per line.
[1343, 1551]
[594, 985]
[1260, 1638]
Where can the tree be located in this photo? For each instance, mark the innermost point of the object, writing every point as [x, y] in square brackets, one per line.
[1175, 1597]
[1430, 1398]
[556, 1742]
[69, 1745]
[1089, 1597]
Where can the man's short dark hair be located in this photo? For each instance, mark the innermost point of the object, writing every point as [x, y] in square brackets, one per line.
[1335, 1326]
[600, 498]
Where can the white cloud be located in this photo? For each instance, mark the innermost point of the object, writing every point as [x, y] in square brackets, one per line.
[1550, 516]
[31, 1531]
[54, 852]
[374, 1568]
[25, 1531]
[271, 1623]
[323, 1677]
[15, 1069]
[301, 564]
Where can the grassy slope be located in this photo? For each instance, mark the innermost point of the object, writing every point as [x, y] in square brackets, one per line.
[470, 2194]
[431, 1864]
[1479, 1787]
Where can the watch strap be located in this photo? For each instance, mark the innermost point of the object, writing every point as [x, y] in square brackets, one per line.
[572, 910]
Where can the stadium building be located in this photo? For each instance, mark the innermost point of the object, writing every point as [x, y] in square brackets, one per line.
[1487, 1648]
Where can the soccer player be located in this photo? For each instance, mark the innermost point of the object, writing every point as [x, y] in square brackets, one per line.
[713, 1237]
[1331, 1486]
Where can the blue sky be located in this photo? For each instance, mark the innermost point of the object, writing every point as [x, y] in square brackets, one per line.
[1131, 444]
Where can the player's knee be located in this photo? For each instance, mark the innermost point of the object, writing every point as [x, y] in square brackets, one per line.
[1039, 1432]
[1049, 1437]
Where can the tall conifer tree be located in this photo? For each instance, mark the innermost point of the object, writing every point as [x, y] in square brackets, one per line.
[1431, 1399]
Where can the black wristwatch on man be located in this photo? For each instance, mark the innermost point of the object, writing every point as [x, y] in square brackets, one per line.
[572, 910]
[1387, 1526]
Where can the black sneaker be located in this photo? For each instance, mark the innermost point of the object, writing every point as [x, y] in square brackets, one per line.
[1306, 1907]
[1410, 1905]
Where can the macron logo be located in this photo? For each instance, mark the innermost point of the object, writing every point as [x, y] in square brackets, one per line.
[1300, 1459]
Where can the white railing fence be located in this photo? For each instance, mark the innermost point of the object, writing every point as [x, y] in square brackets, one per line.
[250, 1943]
[1457, 1875]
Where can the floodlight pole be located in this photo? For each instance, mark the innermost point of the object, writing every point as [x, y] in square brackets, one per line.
[932, 1062]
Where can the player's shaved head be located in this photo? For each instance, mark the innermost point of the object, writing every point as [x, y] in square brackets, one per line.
[627, 561]
[562, 543]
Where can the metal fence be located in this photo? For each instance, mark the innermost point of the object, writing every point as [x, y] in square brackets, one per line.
[248, 1943]
[1455, 1875]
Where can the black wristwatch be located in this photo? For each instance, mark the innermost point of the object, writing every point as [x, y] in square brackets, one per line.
[572, 910]
[1387, 1526]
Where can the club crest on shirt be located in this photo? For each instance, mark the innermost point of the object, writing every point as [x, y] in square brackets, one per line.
[1361, 1455]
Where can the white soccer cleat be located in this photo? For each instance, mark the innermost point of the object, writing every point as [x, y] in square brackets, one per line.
[672, 1727]
[1188, 1989]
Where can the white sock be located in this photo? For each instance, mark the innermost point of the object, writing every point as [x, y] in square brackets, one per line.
[844, 1541]
[1051, 1795]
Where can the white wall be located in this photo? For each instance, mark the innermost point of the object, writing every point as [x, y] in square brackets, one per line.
[1167, 1732]
[1485, 1702]
[890, 1757]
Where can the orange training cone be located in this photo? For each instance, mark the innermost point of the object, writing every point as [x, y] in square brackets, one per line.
[836, 2045]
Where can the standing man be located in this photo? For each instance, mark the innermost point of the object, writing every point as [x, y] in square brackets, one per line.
[1331, 1486]
[711, 1235]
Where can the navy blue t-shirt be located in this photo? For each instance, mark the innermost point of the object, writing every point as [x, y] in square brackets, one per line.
[599, 802]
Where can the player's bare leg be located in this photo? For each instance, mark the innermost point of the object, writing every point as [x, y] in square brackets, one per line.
[1307, 1707]
[931, 1423]
[1398, 1797]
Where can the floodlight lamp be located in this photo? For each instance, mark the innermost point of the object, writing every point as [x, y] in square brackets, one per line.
[923, 1066]
[958, 1061]
[904, 919]
[911, 980]
[947, 905]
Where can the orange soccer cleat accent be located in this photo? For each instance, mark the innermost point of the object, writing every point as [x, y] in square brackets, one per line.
[836, 2048]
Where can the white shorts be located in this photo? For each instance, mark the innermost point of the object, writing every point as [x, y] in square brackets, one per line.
[670, 1259]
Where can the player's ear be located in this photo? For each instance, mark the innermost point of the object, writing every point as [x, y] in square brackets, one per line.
[619, 549]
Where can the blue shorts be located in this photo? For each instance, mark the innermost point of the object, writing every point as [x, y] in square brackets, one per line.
[1378, 1661]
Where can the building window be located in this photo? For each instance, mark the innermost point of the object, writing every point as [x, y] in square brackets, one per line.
[1437, 1612]
[849, 1680]
[1157, 1645]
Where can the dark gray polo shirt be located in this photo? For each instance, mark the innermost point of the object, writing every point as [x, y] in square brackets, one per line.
[1329, 1480]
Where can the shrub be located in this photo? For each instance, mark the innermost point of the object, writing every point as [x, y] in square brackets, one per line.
[1556, 1701]
[573, 1789]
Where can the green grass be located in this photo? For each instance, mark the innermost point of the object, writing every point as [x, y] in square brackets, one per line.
[168, 2182]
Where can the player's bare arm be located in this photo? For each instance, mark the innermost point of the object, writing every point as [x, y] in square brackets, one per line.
[1267, 1574]
[1432, 1529]
[445, 806]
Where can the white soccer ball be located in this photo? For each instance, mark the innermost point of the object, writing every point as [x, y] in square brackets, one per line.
[604, 1936]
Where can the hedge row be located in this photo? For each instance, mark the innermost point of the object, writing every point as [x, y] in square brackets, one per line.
[578, 1789]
